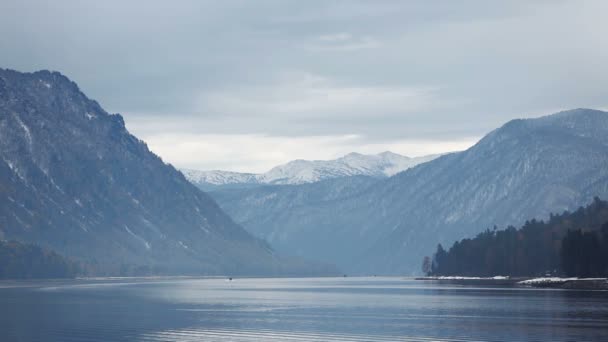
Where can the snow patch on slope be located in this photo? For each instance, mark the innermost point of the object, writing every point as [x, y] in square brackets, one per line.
[137, 237]
[26, 130]
[218, 177]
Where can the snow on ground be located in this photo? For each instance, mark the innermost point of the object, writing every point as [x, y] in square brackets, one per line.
[465, 278]
[553, 280]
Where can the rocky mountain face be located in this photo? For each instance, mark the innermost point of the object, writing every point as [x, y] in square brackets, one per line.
[309, 171]
[525, 169]
[73, 179]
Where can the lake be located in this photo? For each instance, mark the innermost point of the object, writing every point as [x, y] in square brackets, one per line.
[313, 309]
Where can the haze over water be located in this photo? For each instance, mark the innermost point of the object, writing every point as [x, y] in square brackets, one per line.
[321, 309]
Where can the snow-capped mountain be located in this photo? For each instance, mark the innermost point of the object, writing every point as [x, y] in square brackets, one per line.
[353, 164]
[218, 177]
[309, 171]
[72, 178]
[522, 170]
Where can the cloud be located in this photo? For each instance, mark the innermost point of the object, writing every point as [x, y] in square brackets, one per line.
[337, 37]
[383, 71]
[342, 42]
[308, 96]
[259, 153]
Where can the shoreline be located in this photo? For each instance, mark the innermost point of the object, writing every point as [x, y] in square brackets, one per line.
[540, 282]
[496, 281]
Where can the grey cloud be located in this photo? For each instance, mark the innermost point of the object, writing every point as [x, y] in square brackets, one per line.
[389, 69]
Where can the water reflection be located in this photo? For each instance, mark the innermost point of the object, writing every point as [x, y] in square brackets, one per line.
[326, 309]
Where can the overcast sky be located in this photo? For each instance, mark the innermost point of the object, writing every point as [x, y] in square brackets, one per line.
[246, 85]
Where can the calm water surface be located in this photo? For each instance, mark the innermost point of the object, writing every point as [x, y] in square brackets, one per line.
[322, 309]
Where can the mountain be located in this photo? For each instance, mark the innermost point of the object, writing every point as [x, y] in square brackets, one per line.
[74, 180]
[309, 171]
[291, 217]
[216, 179]
[526, 168]
[353, 164]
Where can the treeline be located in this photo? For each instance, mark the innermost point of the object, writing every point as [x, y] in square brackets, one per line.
[570, 244]
[27, 261]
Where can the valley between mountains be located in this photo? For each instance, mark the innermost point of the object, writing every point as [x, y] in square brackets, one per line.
[385, 225]
[75, 181]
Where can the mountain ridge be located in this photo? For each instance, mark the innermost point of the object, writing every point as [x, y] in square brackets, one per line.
[73, 179]
[302, 171]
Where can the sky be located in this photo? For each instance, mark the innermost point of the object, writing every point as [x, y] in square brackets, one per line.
[247, 85]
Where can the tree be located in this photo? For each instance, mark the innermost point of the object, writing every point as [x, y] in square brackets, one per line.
[437, 264]
[22, 260]
[426, 266]
[572, 244]
[582, 254]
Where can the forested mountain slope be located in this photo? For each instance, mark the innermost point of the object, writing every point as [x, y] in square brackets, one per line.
[569, 244]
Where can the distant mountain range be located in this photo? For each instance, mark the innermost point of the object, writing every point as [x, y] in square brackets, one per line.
[524, 169]
[300, 171]
[73, 179]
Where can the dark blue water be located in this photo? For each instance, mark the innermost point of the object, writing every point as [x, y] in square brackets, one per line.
[329, 309]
